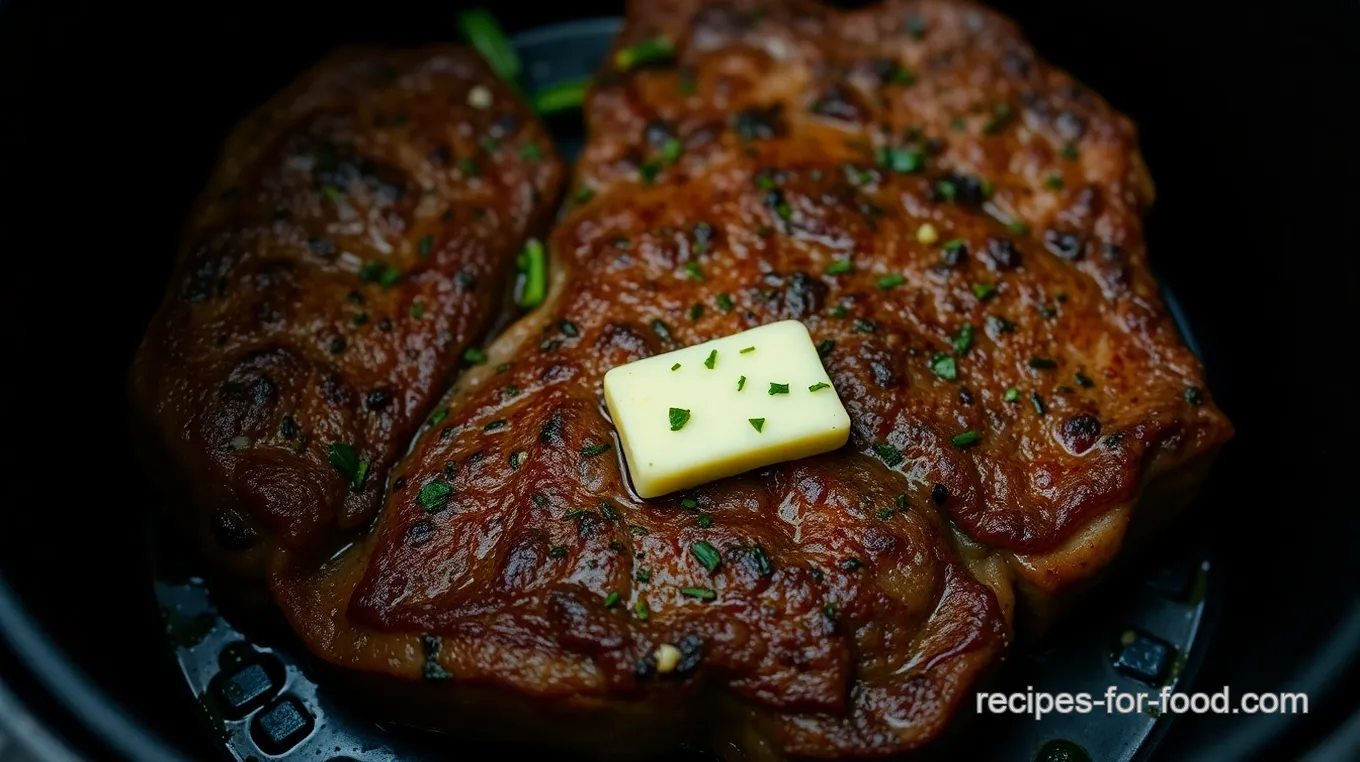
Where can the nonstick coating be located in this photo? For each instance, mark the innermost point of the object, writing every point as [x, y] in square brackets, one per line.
[1159, 605]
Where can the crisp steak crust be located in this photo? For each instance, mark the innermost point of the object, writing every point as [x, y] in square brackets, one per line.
[959, 226]
[353, 240]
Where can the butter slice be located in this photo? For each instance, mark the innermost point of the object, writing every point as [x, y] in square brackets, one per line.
[718, 439]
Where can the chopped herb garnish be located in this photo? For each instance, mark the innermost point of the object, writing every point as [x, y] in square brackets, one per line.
[535, 270]
[689, 503]
[1083, 380]
[851, 564]
[741, 383]
[438, 415]
[345, 460]
[863, 326]
[704, 521]
[963, 340]
[900, 159]
[679, 418]
[702, 593]
[891, 281]
[1069, 151]
[612, 600]
[417, 309]
[839, 267]
[376, 271]
[1019, 227]
[999, 325]
[662, 331]
[696, 311]
[1042, 363]
[824, 348]
[563, 96]
[966, 438]
[829, 610]
[641, 611]
[944, 366]
[569, 329]
[557, 551]
[643, 575]
[724, 302]
[1012, 394]
[433, 495]
[672, 149]
[694, 271]
[984, 291]
[480, 29]
[1054, 182]
[778, 388]
[757, 423]
[332, 193]
[884, 513]
[424, 245]
[1001, 116]
[819, 386]
[647, 172]
[652, 51]
[748, 350]
[468, 165]
[711, 360]
[1039, 406]
[675, 366]
[496, 424]
[890, 455]
[583, 195]
[590, 451]
[707, 555]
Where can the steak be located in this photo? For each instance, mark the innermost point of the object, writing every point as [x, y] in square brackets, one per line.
[352, 243]
[960, 227]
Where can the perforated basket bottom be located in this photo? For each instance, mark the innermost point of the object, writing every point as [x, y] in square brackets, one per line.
[1138, 633]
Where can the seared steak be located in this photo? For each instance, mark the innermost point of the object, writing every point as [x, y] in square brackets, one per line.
[352, 243]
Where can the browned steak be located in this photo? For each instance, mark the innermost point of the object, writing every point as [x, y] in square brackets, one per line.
[353, 241]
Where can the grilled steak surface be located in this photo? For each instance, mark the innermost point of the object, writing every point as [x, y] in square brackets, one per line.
[958, 225]
[353, 241]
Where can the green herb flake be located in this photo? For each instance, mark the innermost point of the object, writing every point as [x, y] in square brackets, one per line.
[702, 593]
[890, 455]
[1039, 406]
[696, 311]
[679, 418]
[689, 503]
[966, 438]
[425, 244]
[984, 291]
[417, 309]
[1012, 394]
[694, 271]
[1069, 151]
[672, 149]
[704, 520]
[741, 383]
[531, 151]
[557, 551]
[901, 159]
[778, 388]
[675, 366]
[840, 267]
[707, 555]
[894, 280]
[438, 415]
[612, 600]
[819, 386]
[590, 451]
[1042, 363]
[944, 366]
[641, 611]
[1083, 380]
[474, 356]
[643, 575]
[583, 195]
[433, 495]
[570, 329]
[711, 360]
[652, 51]
[824, 348]
[963, 340]
[724, 302]
[499, 423]
[1054, 182]
[747, 350]
[757, 423]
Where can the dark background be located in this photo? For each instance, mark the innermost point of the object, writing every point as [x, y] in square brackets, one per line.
[110, 113]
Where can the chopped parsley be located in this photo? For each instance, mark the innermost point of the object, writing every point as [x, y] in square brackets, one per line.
[675, 366]
[590, 451]
[966, 438]
[944, 366]
[417, 309]
[748, 350]
[1069, 151]
[433, 495]
[819, 386]
[890, 455]
[569, 329]
[724, 302]
[671, 150]
[840, 267]
[345, 460]
[679, 418]
[474, 356]
[612, 600]
[741, 383]
[1012, 394]
[963, 340]
[891, 281]
[641, 611]
[757, 423]
[694, 271]
[901, 159]
[438, 415]
[711, 360]
[1054, 182]
[778, 388]
[707, 555]
[702, 593]
[984, 291]
[499, 423]
[696, 311]
[824, 348]
[762, 560]
[651, 51]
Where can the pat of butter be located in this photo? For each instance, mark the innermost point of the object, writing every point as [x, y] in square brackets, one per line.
[765, 399]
